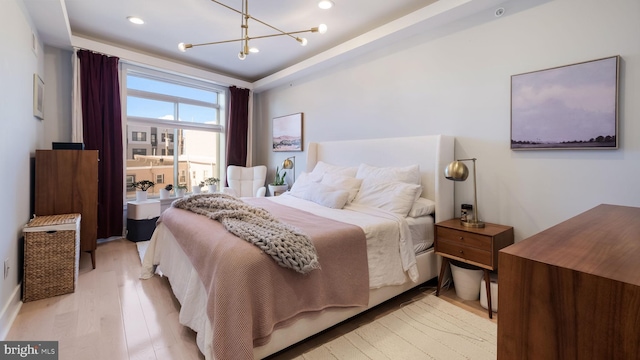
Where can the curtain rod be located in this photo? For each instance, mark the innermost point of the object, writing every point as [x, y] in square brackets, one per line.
[93, 51]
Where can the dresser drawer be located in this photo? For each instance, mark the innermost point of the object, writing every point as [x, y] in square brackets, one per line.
[464, 252]
[464, 238]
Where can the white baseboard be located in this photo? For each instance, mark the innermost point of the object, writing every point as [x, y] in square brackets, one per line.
[10, 312]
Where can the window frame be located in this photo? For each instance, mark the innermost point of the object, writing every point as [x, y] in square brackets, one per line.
[172, 78]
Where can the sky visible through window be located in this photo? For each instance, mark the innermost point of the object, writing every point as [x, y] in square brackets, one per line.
[156, 109]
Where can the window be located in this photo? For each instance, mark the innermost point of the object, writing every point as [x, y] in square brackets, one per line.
[167, 137]
[130, 180]
[138, 152]
[183, 119]
[138, 136]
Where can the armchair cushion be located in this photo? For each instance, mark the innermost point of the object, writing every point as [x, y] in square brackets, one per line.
[246, 181]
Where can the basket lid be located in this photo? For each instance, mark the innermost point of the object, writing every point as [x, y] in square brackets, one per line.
[49, 220]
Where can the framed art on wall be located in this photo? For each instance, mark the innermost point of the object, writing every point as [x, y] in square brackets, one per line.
[38, 97]
[568, 107]
[287, 133]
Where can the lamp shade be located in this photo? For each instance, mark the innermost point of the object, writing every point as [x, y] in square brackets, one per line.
[287, 164]
[290, 164]
[456, 171]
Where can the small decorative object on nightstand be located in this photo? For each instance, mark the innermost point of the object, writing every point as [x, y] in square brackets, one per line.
[278, 186]
[476, 246]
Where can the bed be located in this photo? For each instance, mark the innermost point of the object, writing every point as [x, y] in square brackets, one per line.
[390, 273]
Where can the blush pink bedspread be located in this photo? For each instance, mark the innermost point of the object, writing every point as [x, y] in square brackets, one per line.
[249, 295]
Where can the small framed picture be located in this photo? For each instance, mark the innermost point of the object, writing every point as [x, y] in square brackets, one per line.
[287, 133]
[38, 97]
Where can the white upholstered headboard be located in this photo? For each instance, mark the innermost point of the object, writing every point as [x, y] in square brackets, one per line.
[432, 153]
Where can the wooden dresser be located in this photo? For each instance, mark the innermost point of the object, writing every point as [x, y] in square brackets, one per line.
[573, 290]
[67, 182]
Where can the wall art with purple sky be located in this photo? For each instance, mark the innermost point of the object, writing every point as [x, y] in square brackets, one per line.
[568, 107]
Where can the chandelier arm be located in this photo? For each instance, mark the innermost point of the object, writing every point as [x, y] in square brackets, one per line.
[229, 7]
[274, 28]
[217, 42]
[251, 38]
[274, 35]
[258, 20]
[245, 26]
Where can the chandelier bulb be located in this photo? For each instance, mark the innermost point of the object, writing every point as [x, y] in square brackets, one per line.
[302, 41]
[322, 28]
[242, 55]
[182, 47]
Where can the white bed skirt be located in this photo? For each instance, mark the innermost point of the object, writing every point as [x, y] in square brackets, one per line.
[191, 294]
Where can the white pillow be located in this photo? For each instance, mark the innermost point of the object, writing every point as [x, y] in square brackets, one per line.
[302, 184]
[408, 174]
[422, 207]
[322, 168]
[396, 197]
[350, 184]
[327, 196]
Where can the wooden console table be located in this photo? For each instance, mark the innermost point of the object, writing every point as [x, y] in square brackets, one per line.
[573, 290]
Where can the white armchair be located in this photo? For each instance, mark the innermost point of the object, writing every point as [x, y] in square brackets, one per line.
[246, 181]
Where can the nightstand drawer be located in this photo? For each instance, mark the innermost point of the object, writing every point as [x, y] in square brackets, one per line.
[464, 238]
[464, 252]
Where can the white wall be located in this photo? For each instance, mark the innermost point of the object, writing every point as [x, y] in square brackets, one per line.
[58, 75]
[23, 134]
[459, 85]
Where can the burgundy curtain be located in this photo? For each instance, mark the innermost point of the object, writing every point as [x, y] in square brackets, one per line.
[238, 127]
[102, 131]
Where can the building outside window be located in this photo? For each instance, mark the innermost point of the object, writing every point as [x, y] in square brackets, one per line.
[138, 136]
[138, 152]
[183, 119]
[130, 179]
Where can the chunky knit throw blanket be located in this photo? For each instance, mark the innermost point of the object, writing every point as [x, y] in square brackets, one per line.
[285, 244]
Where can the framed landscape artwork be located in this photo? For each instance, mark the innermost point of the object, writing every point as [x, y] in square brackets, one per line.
[568, 107]
[287, 133]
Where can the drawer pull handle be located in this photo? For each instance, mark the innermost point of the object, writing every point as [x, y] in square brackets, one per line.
[461, 252]
[460, 238]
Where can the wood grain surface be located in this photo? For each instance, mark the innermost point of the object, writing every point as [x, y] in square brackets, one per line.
[573, 291]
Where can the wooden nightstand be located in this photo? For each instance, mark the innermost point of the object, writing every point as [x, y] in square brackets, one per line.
[476, 246]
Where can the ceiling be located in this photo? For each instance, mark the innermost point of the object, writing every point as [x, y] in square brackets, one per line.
[64, 23]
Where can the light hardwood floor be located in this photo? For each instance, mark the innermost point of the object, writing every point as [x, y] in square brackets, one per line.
[114, 315]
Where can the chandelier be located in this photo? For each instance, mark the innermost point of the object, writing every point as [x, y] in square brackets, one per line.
[244, 40]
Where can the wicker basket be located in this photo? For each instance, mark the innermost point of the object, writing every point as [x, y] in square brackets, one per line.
[51, 253]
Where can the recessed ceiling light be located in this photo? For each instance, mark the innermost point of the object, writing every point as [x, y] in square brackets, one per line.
[136, 20]
[325, 4]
